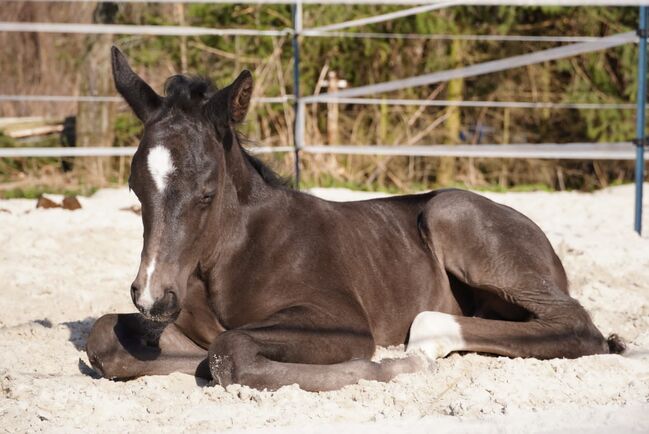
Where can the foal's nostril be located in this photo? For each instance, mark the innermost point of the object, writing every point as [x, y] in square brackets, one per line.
[170, 298]
[170, 294]
[135, 293]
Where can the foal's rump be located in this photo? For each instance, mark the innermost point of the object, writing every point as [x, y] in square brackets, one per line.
[486, 244]
[511, 285]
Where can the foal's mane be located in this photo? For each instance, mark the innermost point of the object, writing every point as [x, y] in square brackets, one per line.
[188, 93]
[271, 177]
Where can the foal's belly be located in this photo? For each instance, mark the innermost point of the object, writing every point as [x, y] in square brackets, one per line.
[411, 284]
[395, 274]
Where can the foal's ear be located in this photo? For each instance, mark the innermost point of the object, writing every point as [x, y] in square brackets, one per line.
[240, 95]
[139, 95]
[232, 102]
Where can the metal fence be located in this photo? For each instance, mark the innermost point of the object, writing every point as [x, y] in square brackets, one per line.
[358, 95]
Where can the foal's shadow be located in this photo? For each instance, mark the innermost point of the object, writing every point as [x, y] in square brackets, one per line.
[79, 331]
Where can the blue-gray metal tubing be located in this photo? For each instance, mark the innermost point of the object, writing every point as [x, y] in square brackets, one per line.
[296, 12]
[640, 117]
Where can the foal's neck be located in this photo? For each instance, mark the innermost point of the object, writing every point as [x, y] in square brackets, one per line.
[247, 183]
[244, 192]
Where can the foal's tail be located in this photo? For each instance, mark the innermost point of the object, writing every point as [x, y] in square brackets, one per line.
[616, 344]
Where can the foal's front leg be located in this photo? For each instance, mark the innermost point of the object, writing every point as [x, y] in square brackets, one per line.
[124, 346]
[293, 347]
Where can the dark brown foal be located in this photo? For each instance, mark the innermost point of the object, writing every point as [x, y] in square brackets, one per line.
[248, 281]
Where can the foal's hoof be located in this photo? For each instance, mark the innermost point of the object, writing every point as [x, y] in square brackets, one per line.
[222, 369]
[95, 362]
[616, 344]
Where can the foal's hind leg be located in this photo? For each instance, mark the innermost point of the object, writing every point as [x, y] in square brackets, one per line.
[495, 249]
[299, 346]
[569, 335]
[124, 346]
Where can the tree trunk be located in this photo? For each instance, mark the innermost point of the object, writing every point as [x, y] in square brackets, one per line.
[180, 14]
[95, 119]
[332, 110]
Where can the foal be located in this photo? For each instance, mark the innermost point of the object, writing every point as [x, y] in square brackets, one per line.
[244, 280]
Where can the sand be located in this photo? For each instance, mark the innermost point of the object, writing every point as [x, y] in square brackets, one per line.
[60, 270]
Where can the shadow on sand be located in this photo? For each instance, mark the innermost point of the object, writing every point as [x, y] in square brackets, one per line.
[79, 331]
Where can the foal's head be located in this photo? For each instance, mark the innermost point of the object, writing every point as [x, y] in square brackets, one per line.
[177, 172]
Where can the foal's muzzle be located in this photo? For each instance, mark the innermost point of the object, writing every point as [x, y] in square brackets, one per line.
[163, 309]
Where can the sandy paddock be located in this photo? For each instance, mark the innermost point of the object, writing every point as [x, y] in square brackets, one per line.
[60, 270]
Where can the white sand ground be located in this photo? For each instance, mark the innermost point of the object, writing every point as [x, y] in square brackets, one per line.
[59, 270]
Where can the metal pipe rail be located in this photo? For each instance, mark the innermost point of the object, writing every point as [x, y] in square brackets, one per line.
[98, 151]
[158, 30]
[132, 29]
[485, 67]
[440, 37]
[476, 104]
[552, 151]
[640, 119]
[88, 98]
[359, 101]
[548, 151]
[381, 2]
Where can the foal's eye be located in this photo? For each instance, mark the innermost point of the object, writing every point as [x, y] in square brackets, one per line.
[206, 199]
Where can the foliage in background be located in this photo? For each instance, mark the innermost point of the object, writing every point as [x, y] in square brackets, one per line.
[607, 77]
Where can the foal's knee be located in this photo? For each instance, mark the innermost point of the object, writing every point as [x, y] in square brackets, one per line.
[102, 345]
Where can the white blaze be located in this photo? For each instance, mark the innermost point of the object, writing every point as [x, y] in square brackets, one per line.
[160, 166]
[146, 300]
[436, 334]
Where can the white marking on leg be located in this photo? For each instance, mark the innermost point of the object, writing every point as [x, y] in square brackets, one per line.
[146, 300]
[436, 334]
[160, 166]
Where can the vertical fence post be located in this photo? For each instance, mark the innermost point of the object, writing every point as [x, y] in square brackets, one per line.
[640, 117]
[298, 106]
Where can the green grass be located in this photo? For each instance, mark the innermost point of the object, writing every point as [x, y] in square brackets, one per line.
[33, 192]
[416, 187]
[329, 183]
[521, 188]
